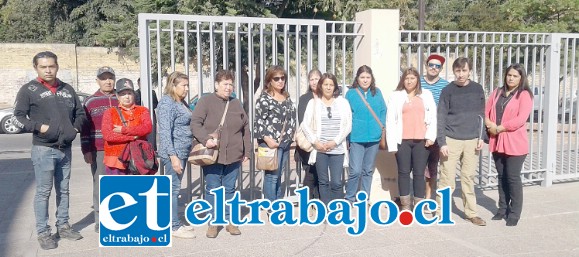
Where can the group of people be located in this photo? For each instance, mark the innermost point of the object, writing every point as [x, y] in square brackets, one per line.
[428, 120]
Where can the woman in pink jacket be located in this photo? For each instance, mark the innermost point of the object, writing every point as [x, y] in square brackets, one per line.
[506, 114]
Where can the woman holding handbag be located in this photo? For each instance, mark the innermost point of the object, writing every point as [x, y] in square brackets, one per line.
[220, 122]
[411, 125]
[175, 141]
[506, 114]
[117, 135]
[333, 118]
[368, 120]
[311, 176]
[274, 127]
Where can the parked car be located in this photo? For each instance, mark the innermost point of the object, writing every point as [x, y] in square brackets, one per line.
[570, 106]
[9, 124]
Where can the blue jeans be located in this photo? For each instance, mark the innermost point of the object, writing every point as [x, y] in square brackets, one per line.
[175, 187]
[362, 163]
[330, 168]
[217, 175]
[272, 189]
[51, 167]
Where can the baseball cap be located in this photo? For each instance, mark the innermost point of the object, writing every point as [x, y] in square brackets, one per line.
[124, 84]
[436, 57]
[105, 69]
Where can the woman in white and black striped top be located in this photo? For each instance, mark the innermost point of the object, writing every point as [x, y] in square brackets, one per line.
[327, 122]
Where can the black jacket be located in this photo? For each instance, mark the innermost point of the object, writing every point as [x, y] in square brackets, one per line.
[62, 112]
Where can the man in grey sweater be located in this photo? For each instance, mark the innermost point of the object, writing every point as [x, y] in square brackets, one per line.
[461, 103]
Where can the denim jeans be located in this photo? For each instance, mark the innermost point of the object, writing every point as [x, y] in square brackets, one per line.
[217, 175]
[330, 168]
[272, 189]
[175, 187]
[362, 163]
[51, 167]
[97, 168]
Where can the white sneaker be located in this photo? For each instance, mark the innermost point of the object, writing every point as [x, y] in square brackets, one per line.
[184, 232]
[190, 228]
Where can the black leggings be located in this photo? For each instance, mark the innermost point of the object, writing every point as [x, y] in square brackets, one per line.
[412, 156]
[510, 185]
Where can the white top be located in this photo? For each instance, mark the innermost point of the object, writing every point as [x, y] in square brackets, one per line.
[341, 106]
[394, 117]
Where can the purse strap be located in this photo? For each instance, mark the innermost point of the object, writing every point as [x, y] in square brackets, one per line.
[121, 115]
[314, 127]
[224, 113]
[370, 108]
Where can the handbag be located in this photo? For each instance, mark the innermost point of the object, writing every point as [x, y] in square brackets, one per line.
[202, 155]
[383, 145]
[139, 156]
[266, 157]
[301, 139]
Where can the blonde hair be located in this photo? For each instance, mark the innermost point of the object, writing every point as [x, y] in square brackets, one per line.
[172, 81]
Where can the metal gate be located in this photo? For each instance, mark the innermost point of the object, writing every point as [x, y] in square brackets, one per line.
[551, 63]
[200, 45]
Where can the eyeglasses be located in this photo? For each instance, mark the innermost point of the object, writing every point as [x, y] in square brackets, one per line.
[434, 65]
[329, 112]
[276, 79]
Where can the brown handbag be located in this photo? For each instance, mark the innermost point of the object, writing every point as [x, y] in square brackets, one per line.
[383, 145]
[200, 154]
[266, 158]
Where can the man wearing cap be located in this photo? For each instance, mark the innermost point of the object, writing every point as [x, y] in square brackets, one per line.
[92, 143]
[52, 111]
[433, 82]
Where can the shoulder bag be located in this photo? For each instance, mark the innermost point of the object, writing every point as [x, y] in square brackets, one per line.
[200, 154]
[139, 156]
[301, 139]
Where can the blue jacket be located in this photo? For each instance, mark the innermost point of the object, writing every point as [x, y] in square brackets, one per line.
[175, 136]
[365, 129]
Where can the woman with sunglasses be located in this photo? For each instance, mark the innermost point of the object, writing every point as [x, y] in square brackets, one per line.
[333, 118]
[274, 126]
[411, 128]
[366, 132]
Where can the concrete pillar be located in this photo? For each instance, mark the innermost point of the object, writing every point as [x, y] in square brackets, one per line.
[378, 48]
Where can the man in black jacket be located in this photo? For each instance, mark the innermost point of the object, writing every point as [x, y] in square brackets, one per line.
[52, 111]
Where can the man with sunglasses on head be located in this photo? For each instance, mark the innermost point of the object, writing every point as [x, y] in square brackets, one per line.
[91, 138]
[52, 111]
[434, 83]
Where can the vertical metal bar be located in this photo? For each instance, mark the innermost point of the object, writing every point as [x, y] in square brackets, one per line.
[575, 105]
[344, 56]
[172, 41]
[309, 51]
[225, 38]
[333, 55]
[551, 95]
[251, 62]
[212, 56]
[188, 195]
[563, 106]
[322, 46]
[199, 93]
[273, 44]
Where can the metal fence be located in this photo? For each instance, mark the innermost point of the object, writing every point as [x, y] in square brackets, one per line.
[550, 60]
[200, 45]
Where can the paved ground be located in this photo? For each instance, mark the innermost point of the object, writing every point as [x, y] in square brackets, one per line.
[549, 227]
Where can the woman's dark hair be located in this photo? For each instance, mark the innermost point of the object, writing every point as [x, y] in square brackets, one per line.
[310, 74]
[224, 75]
[410, 71]
[362, 69]
[270, 74]
[523, 83]
[329, 76]
[45, 54]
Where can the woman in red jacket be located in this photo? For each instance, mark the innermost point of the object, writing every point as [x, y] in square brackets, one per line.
[506, 114]
[117, 135]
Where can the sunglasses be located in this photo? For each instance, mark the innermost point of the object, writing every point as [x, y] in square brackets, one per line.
[276, 79]
[329, 112]
[434, 65]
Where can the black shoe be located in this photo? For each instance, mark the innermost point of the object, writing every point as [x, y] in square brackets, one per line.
[499, 216]
[46, 241]
[66, 231]
[512, 222]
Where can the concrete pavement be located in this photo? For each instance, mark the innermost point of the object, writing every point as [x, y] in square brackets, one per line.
[549, 226]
